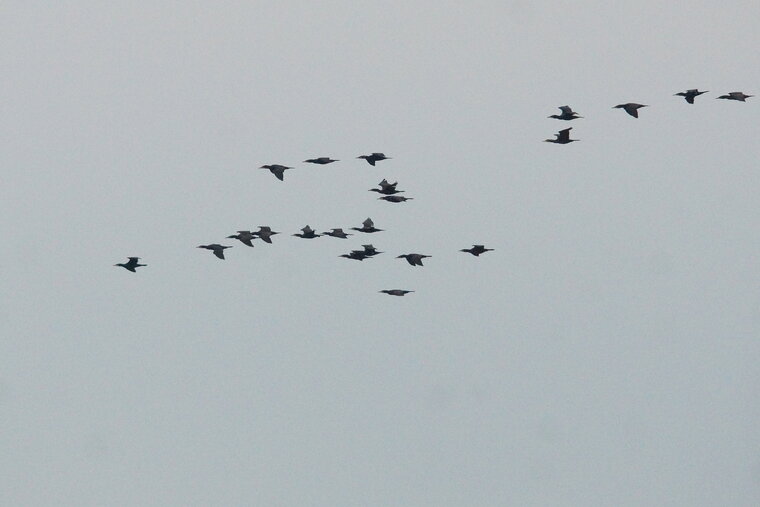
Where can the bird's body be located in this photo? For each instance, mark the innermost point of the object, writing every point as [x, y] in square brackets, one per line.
[244, 237]
[265, 233]
[375, 157]
[395, 198]
[414, 259]
[396, 292]
[369, 250]
[476, 250]
[562, 137]
[216, 248]
[367, 226]
[276, 169]
[690, 95]
[631, 108]
[337, 233]
[736, 96]
[308, 233]
[356, 255]
[321, 160]
[131, 264]
[567, 114]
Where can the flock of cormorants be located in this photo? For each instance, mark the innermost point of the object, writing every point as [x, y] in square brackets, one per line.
[389, 191]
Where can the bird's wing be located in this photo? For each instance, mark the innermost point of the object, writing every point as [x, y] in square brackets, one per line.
[219, 252]
[279, 174]
[566, 109]
[368, 223]
[564, 134]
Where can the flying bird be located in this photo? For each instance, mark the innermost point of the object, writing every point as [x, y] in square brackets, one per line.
[131, 264]
[244, 237]
[690, 95]
[276, 169]
[321, 160]
[337, 233]
[567, 114]
[356, 255]
[375, 157]
[736, 96]
[476, 250]
[631, 108]
[265, 233]
[562, 137]
[386, 188]
[308, 233]
[367, 226]
[369, 250]
[413, 259]
[216, 248]
[396, 292]
[395, 198]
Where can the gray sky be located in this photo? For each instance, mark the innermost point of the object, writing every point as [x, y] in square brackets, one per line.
[605, 354]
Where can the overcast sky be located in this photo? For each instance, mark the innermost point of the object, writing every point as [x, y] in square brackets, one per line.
[606, 353]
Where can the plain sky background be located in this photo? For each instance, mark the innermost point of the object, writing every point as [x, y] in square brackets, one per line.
[605, 354]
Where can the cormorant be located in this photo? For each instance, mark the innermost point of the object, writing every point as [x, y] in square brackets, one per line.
[396, 292]
[131, 264]
[413, 259]
[308, 233]
[216, 248]
[265, 233]
[567, 114]
[375, 157]
[631, 108]
[276, 169]
[690, 95]
[476, 250]
[736, 96]
[244, 237]
[369, 250]
[367, 226]
[321, 160]
[562, 137]
[395, 198]
[356, 255]
[386, 188]
[337, 233]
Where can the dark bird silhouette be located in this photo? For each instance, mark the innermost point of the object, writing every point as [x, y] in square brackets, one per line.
[567, 114]
[396, 292]
[321, 160]
[356, 255]
[375, 157]
[562, 137]
[386, 188]
[631, 108]
[367, 226]
[395, 198]
[413, 259]
[244, 237]
[265, 233]
[476, 250]
[216, 248]
[276, 169]
[308, 233]
[131, 264]
[369, 250]
[337, 233]
[690, 95]
[736, 96]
